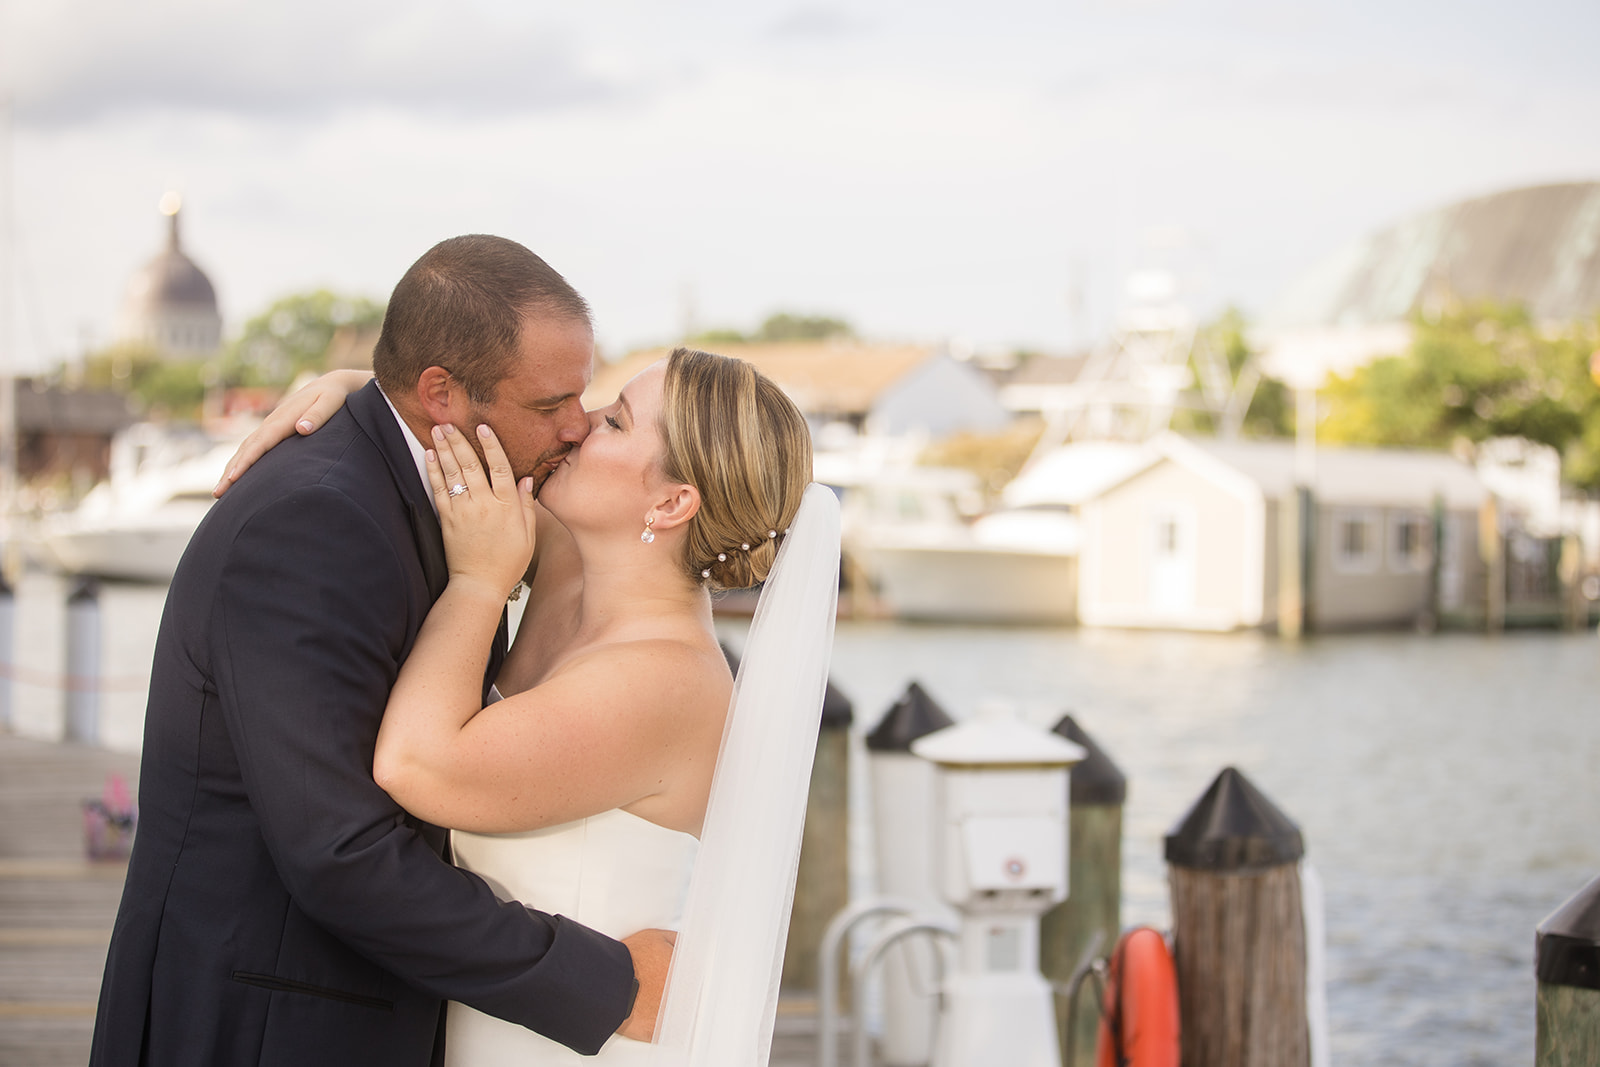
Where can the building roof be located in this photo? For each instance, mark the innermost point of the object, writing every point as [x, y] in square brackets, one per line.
[826, 378]
[1538, 246]
[1374, 477]
[45, 408]
[1074, 473]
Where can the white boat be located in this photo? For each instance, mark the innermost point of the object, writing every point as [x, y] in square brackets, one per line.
[1016, 564]
[1012, 566]
[137, 523]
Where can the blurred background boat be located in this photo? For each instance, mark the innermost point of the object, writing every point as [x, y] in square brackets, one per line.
[136, 524]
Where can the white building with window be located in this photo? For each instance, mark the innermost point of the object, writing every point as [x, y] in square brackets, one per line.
[1190, 537]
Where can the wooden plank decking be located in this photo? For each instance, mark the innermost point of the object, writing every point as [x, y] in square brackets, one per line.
[56, 909]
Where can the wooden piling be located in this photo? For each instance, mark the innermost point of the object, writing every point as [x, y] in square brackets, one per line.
[1567, 954]
[902, 831]
[82, 706]
[822, 889]
[1097, 791]
[1239, 930]
[1492, 545]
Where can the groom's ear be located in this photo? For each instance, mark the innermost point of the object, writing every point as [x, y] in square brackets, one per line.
[439, 395]
[677, 507]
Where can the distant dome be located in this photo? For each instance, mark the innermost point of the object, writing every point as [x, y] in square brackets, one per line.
[170, 303]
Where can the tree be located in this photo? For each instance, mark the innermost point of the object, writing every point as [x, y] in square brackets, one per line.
[1271, 409]
[786, 327]
[164, 388]
[1479, 371]
[782, 326]
[293, 335]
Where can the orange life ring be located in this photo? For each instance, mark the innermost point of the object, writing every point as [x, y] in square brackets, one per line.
[1139, 1026]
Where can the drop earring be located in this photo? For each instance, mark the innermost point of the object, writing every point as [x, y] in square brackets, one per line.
[649, 534]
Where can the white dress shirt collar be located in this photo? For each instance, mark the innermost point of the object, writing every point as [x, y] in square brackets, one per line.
[418, 455]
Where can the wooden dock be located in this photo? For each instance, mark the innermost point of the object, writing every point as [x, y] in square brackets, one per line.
[56, 909]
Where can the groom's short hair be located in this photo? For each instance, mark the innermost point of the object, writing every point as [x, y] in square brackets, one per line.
[461, 307]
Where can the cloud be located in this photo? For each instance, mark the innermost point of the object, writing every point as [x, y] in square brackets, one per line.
[814, 23]
[76, 60]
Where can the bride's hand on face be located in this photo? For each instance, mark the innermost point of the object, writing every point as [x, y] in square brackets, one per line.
[487, 518]
[300, 412]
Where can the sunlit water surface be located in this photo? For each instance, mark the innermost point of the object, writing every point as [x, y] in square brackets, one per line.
[1448, 788]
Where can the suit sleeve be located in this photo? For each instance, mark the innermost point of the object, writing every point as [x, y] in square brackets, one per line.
[311, 625]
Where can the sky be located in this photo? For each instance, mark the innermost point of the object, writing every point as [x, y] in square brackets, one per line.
[989, 174]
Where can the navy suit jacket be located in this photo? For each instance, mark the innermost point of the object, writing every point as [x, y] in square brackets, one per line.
[280, 908]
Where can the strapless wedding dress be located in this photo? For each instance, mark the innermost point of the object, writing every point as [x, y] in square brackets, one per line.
[614, 872]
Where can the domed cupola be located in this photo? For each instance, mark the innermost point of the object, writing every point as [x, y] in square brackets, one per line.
[170, 303]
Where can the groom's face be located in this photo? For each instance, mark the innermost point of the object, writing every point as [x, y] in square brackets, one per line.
[537, 410]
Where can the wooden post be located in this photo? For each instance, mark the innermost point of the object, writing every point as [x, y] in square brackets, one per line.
[1306, 501]
[1291, 609]
[902, 824]
[1096, 792]
[1239, 930]
[83, 662]
[822, 889]
[1567, 953]
[1297, 560]
[1433, 614]
[1570, 570]
[1493, 547]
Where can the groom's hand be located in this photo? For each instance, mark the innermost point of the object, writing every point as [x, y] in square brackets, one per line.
[652, 955]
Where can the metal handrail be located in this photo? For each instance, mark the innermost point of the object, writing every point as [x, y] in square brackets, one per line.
[936, 928]
[833, 936]
[1089, 964]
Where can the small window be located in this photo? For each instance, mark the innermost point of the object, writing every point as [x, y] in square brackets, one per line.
[1410, 541]
[1166, 531]
[1356, 548]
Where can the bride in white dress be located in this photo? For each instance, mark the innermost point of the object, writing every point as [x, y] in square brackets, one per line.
[585, 790]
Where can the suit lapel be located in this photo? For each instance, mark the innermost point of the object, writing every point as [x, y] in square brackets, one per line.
[371, 412]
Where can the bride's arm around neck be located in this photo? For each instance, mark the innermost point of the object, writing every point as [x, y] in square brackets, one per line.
[634, 725]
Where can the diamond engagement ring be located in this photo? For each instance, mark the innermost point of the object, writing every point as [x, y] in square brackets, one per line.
[457, 489]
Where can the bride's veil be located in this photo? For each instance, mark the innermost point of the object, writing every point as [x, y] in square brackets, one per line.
[722, 992]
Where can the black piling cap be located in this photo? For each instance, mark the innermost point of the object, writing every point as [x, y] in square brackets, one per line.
[1234, 827]
[1567, 946]
[1096, 780]
[914, 715]
[837, 711]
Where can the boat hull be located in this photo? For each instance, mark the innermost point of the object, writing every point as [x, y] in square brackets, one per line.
[143, 555]
[975, 584]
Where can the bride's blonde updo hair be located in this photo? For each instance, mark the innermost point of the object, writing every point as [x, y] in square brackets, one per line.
[732, 434]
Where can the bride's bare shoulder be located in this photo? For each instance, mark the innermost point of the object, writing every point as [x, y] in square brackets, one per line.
[669, 677]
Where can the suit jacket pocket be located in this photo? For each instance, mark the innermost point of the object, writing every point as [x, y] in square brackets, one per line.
[287, 985]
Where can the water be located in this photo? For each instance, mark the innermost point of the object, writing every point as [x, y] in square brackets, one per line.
[1448, 787]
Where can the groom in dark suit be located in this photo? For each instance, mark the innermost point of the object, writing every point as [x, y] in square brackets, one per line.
[279, 907]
